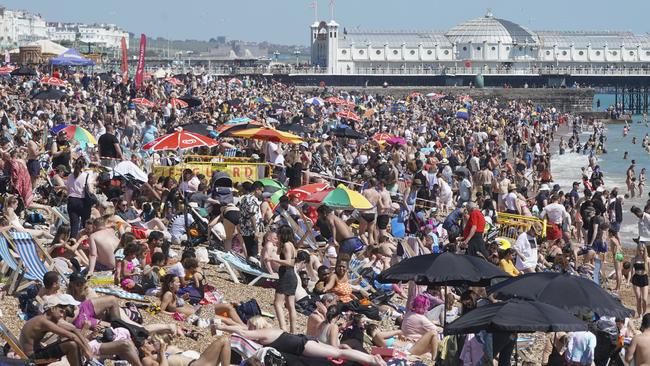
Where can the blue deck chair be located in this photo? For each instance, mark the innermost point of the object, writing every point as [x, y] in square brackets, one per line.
[28, 249]
[18, 273]
[232, 262]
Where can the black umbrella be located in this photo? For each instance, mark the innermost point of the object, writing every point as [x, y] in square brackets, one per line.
[443, 269]
[571, 293]
[191, 101]
[293, 128]
[227, 130]
[49, 94]
[348, 133]
[196, 127]
[24, 71]
[516, 316]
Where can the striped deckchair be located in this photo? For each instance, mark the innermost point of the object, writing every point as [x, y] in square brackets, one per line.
[27, 248]
[18, 272]
[231, 261]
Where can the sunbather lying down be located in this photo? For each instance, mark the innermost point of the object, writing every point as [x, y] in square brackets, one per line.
[261, 331]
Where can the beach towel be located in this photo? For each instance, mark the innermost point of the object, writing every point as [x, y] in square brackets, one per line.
[119, 293]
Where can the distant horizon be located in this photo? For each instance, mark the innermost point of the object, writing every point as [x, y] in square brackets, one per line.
[287, 22]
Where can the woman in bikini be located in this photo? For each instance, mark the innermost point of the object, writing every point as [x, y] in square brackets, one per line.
[169, 302]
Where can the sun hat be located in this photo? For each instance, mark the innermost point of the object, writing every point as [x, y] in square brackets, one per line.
[58, 300]
[444, 161]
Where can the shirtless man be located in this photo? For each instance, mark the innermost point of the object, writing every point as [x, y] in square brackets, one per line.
[33, 152]
[317, 318]
[384, 209]
[72, 343]
[270, 251]
[630, 178]
[102, 244]
[639, 349]
[484, 179]
[367, 221]
[342, 235]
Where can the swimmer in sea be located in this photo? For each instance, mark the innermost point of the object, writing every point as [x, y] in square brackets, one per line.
[625, 156]
[634, 140]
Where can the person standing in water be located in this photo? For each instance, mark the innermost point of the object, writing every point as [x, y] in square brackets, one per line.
[642, 180]
[629, 179]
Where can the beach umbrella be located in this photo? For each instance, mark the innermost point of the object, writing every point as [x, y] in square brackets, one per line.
[228, 130]
[173, 81]
[195, 127]
[396, 140]
[415, 94]
[179, 140]
[516, 316]
[178, 103]
[23, 71]
[271, 185]
[462, 113]
[4, 70]
[552, 288]
[143, 102]
[294, 128]
[348, 133]
[191, 101]
[50, 80]
[335, 100]
[305, 191]
[314, 101]
[381, 137]
[49, 94]
[339, 198]
[349, 115]
[78, 133]
[268, 134]
[443, 269]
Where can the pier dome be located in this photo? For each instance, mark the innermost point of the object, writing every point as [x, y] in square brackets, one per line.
[490, 30]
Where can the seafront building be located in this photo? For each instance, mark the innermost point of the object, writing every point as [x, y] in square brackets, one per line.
[487, 45]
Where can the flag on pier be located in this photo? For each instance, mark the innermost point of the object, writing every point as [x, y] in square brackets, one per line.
[139, 72]
[125, 63]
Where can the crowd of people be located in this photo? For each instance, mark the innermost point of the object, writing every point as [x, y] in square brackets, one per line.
[452, 167]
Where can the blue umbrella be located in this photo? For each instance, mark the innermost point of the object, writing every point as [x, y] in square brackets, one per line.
[55, 130]
[314, 101]
[238, 120]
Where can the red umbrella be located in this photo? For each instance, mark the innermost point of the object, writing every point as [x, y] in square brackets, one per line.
[179, 140]
[382, 137]
[335, 100]
[305, 191]
[349, 115]
[6, 70]
[416, 94]
[178, 103]
[148, 76]
[174, 81]
[50, 80]
[396, 140]
[143, 102]
[235, 81]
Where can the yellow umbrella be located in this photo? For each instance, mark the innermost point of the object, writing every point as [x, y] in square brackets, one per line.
[268, 134]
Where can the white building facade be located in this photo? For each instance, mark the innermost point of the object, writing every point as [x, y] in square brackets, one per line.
[484, 45]
[18, 27]
[103, 35]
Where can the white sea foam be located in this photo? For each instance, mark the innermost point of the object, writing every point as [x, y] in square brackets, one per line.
[567, 169]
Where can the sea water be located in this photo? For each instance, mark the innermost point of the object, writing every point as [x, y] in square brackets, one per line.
[567, 168]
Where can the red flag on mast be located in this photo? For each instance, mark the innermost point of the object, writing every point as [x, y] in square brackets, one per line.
[125, 62]
[139, 71]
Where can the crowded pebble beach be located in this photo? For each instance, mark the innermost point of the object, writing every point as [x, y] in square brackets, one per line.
[202, 220]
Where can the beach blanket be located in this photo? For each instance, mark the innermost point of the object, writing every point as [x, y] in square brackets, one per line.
[119, 293]
[102, 278]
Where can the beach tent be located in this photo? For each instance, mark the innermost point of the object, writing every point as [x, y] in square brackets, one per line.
[48, 47]
[71, 57]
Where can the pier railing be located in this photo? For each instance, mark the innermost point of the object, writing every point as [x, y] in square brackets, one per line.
[419, 70]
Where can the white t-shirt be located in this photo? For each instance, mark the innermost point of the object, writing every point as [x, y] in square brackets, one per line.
[273, 153]
[555, 213]
[528, 248]
[510, 201]
[176, 269]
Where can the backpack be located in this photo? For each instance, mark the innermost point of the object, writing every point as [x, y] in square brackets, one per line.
[248, 309]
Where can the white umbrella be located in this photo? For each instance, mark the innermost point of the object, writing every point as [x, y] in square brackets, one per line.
[314, 101]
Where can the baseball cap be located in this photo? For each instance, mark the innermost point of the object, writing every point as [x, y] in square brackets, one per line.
[58, 300]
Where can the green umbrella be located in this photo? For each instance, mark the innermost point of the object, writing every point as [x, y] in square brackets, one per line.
[272, 185]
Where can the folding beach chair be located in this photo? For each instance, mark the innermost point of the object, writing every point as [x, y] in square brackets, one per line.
[18, 272]
[302, 231]
[13, 343]
[28, 249]
[118, 292]
[232, 262]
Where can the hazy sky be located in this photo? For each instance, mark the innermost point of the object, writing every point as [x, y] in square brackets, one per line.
[287, 21]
